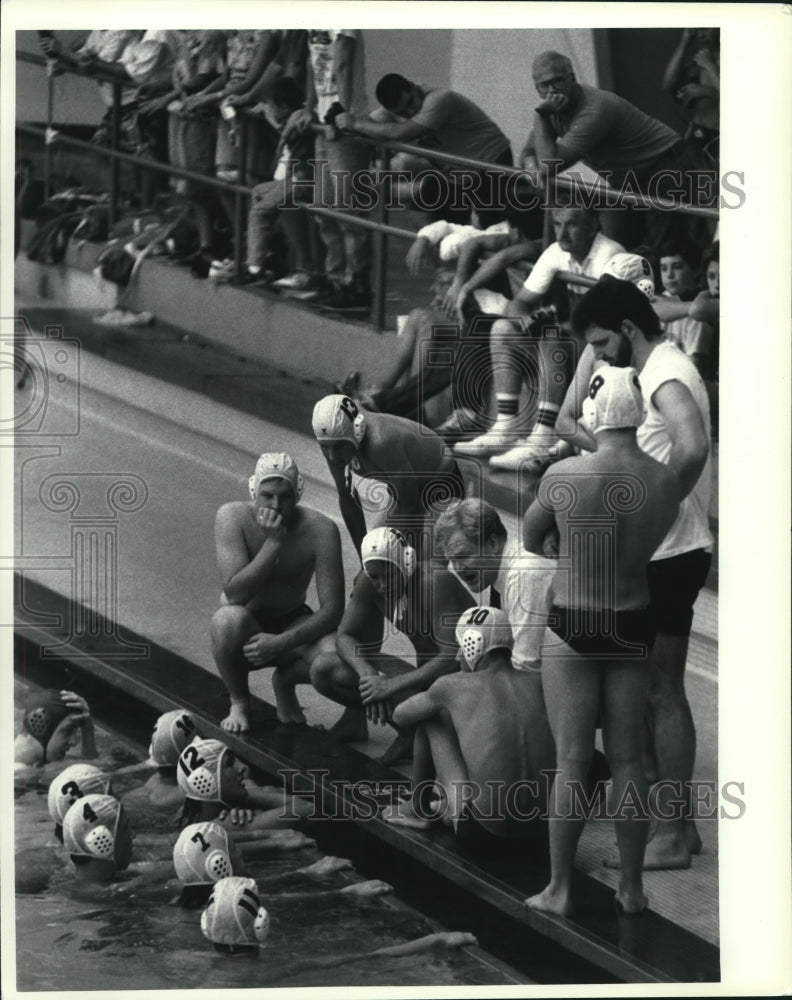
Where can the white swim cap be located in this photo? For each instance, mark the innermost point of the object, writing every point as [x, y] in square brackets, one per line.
[198, 770]
[234, 914]
[44, 711]
[338, 418]
[75, 782]
[276, 465]
[173, 731]
[481, 629]
[390, 545]
[90, 826]
[634, 268]
[204, 853]
[614, 400]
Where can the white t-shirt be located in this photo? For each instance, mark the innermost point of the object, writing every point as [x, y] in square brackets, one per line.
[554, 259]
[321, 46]
[524, 583]
[691, 529]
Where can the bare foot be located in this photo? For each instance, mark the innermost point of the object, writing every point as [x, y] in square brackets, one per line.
[350, 727]
[631, 903]
[400, 749]
[404, 814]
[666, 852]
[551, 901]
[288, 708]
[362, 890]
[325, 866]
[237, 720]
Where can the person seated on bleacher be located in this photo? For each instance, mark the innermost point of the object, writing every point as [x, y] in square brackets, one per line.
[269, 549]
[477, 741]
[580, 248]
[451, 123]
[423, 603]
[679, 267]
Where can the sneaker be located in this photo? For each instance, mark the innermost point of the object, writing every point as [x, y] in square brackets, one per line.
[460, 424]
[495, 440]
[347, 299]
[222, 270]
[534, 453]
[300, 281]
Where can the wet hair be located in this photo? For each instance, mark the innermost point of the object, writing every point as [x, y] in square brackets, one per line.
[391, 88]
[194, 897]
[610, 302]
[285, 91]
[681, 247]
[475, 519]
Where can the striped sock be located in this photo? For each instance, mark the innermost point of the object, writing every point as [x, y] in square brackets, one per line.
[507, 404]
[547, 415]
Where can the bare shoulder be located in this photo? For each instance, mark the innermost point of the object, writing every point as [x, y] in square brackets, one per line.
[233, 514]
[317, 525]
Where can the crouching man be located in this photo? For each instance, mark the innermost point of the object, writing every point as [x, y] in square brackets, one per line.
[268, 551]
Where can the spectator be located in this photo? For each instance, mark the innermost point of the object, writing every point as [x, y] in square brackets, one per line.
[453, 124]
[581, 249]
[575, 122]
[679, 263]
[336, 80]
[693, 78]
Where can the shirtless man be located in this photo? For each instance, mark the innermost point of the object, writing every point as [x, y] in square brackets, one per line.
[423, 603]
[268, 550]
[612, 509]
[621, 328]
[481, 736]
[412, 460]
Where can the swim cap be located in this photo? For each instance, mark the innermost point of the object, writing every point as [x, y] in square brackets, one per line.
[173, 731]
[276, 465]
[338, 418]
[234, 914]
[198, 771]
[44, 710]
[203, 854]
[614, 400]
[390, 545]
[481, 629]
[90, 826]
[634, 268]
[75, 782]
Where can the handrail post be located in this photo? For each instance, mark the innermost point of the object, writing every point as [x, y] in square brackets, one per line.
[239, 217]
[381, 244]
[115, 142]
[50, 116]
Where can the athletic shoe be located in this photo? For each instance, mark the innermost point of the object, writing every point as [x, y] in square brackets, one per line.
[460, 424]
[300, 281]
[124, 317]
[222, 270]
[495, 440]
[347, 299]
[534, 452]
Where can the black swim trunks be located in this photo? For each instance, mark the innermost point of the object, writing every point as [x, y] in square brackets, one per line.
[275, 624]
[478, 842]
[674, 585]
[605, 634]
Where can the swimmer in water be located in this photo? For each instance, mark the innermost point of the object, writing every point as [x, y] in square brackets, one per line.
[411, 460]
[214, 784]
[206, 853]
[53, 722]
[268, 551]
[173, 731]
[97, 837]
[423, 603]
[236, 923]
[75, 782]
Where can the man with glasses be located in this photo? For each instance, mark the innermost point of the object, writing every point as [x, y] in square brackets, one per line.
[573, 122]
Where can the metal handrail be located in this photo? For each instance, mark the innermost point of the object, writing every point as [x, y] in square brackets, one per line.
[240, 190]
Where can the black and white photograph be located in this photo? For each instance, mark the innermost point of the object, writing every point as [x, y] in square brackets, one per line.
[423, 319]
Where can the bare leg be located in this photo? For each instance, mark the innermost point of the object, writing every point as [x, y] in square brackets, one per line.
[625, 691]
[335, 680]
[231, 627]
[674, 840]
[572, 692]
